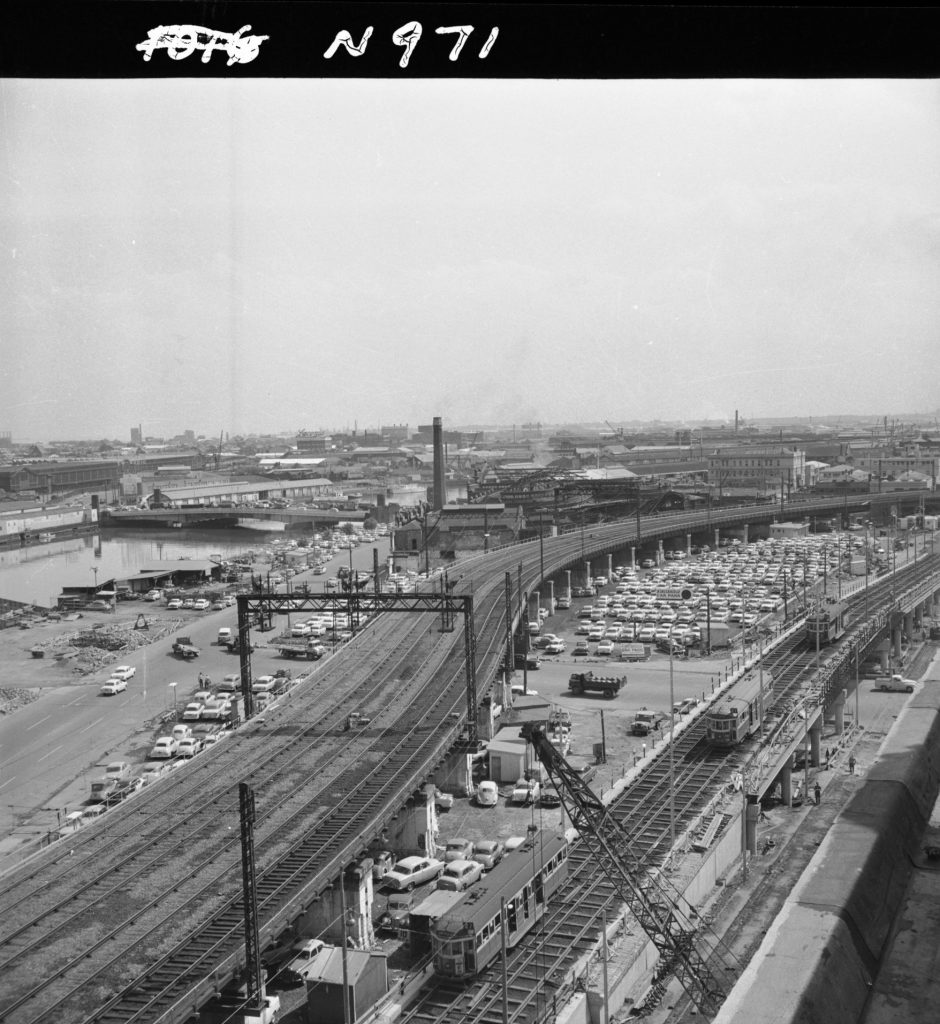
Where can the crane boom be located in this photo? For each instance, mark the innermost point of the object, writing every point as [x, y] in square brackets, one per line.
[661, 910]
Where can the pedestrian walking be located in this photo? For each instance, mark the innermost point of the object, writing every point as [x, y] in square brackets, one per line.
[817, 792]
[851, 764]
[827, 759]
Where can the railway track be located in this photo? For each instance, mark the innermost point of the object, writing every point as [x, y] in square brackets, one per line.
[156, 911]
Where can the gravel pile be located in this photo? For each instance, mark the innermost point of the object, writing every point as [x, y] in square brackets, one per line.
[94, 649]
[12, 698]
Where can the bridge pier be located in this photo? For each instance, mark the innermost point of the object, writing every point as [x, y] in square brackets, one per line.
[751, 814]
[587, 573]
[660, 555]
[551, 597]
[355, 895]
[815, 735]
[568, 583]
[610, 566]
[838, 711]
[688, 545]
[896, 641]
[717, 538]
[909, 625]
[786, 783]
[633, 556]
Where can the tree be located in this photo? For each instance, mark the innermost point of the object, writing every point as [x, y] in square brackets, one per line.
[369, 523]
[348, 529]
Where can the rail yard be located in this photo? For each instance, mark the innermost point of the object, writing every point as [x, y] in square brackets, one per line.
[141, 918]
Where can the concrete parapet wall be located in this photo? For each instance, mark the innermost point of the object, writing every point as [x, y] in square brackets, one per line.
[819, 959]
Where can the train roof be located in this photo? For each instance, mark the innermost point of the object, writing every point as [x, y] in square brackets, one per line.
[740, 695]
[481, 902]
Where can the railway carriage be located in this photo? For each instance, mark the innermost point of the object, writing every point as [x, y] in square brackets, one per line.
[737, 713]
[469, 936]
[826, 624]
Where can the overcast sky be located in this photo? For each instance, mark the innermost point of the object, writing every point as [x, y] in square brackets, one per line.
[246, 256]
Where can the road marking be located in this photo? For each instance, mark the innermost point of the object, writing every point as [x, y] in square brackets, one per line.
[41, 720]
[93, 724]
[9, 780]
[51, 752]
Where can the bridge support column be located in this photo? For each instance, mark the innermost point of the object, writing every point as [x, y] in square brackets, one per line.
[660, 557]
[751, 814]
[551, 597]
[745, 534]
[610, 566]
[587, 574]
[717, 538]
[838, 712]
[786, 784]
[568, 582]
[815, 734]
[632, 556]
[688, 545]
[896, 641]
[909, 624]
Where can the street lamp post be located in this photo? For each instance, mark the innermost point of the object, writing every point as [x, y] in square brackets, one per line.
[94, 569]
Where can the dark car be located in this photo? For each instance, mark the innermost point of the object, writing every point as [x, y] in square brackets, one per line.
[549, 797]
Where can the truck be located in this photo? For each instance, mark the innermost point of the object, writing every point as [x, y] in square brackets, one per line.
[645, 722]
[300, 647]
[896, 684]
[635, 652]
[183, 647]
[233, 645]
[587, 682]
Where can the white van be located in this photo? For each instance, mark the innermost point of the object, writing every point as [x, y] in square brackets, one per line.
[224, 635]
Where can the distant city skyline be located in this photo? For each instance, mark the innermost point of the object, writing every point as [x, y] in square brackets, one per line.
[242, 256]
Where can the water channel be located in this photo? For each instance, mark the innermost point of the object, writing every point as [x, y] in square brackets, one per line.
[37, 574]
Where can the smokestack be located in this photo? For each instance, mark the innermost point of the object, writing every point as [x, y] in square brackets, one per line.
[437, 500]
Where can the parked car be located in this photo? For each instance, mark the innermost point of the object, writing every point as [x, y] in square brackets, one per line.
[488, 852]
[112, 687]
[230, 683]
[396, 912]
[548, 797]
[460, 875]
[443, 801]
[605, 647]
[118, 771]
[305, 952]
[165, 747]
[555, 647]
[683, 707]
[382, 862]
[458, 849]
[487, 794]
[189, 747]
[189, 602]
[581, 648]
[412, 871]
[173, 604]
[124, 672]
[525, 791]
[192, 712]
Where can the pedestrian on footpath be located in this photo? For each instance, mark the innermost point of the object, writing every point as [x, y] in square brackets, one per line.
[851, 764]
[817, 792]
[827, 759]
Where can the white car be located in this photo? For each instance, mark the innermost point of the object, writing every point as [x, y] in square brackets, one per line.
[412, 871]
[304, 953]
[487, 794]
[124, 672]
[192, 712]
[460, 875]
[112, 687]
[201, 605]
[189, 746]
[525, 791]
[165, 748]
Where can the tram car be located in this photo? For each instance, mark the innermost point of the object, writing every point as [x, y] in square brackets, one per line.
[468, 937]
[826, 624]
[736, 715]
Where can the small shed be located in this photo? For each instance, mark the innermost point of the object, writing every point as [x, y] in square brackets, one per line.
[787, 531]
[366, 983]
